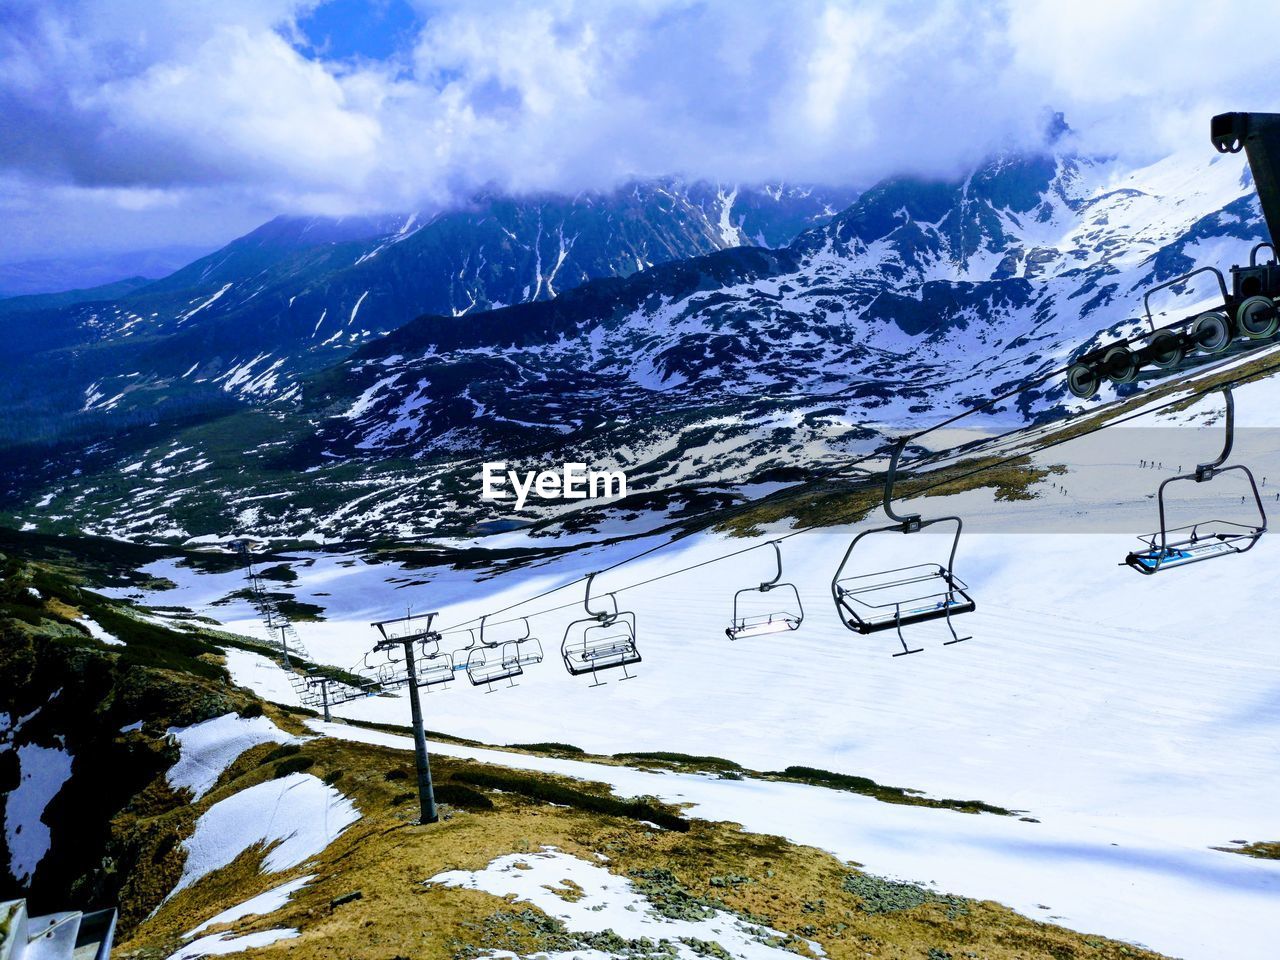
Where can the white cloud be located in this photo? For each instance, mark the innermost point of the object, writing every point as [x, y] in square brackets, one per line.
[203, 99]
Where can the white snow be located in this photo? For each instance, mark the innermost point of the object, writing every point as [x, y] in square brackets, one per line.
[609, 902]
[294, 817]
[267, 902]
[208, 748]
[219, 944]
[264, 677]
[41, 773]
[213, 299]
[98, 632]
[1135, 717]
[356, 308]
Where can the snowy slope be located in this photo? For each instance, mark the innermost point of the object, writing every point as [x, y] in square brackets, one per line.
[699, 376]
[1135, 718]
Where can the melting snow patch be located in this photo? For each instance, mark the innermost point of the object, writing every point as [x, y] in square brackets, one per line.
[610, 902]
[296, 817]
[268, 902]
[209, 748]
[98, 633]
[41, 773]
[217, 944]
[264, 677]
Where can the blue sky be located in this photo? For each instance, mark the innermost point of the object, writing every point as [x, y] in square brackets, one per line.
[148, 123]
[350, 29]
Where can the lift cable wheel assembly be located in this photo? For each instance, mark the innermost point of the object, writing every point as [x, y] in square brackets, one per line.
[1248, 315]
[901, 596]
[1178, 546]
[780, 616]
[602, 640]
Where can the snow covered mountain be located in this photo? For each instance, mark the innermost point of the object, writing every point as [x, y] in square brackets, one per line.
[740, 365]
[298, 294]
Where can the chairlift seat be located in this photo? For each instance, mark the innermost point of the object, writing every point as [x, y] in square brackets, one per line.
[1196, 546]
[435, 670]
[528, 651]
[759, 626]
[1171, 547]
[899, 597]
[756, 612]
[594, 645]
[888, 599]
[488, 665]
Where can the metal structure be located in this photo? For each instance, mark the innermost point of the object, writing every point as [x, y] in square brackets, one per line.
[1248, 316]
[777, 617]
[1178, 546]
[602, 640]
[489, 662]
[401, 634]
[901, 596]
[68, 935]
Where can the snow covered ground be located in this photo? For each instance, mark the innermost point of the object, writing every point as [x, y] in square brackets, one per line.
[296, 817]
[264, 903]
[1136, 717]
[208, 748]
[599, 900]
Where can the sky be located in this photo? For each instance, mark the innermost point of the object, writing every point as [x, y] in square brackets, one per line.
[138, 124]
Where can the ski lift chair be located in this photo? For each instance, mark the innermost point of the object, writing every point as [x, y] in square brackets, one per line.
[435, 671]
[1178, 546]
[892, 599]
[490, 661]
[487, 665]
[602, 640]
[780, 617]
[528, 649]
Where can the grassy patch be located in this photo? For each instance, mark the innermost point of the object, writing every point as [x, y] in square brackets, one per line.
[1262, 850]
[549, 747]
[868, 787]
[545, 790]
[668, 758]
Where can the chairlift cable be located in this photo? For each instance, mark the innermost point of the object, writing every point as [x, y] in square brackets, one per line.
[730, 512]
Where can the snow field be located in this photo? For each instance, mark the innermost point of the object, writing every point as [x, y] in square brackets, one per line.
[294, 818]
[210, 747]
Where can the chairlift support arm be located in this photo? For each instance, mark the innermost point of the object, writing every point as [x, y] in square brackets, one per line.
[911, 522]
[1258, 134]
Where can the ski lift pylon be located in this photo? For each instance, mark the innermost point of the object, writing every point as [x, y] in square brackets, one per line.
[892, 599]
[780, 617]
[602, 640]
[1178, 546]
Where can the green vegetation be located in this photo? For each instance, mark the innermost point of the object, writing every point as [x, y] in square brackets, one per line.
[546, 790]
[868, 787]
[459, 795]
[668, 758]
[546, 747]
[1262, 850]
[877, 895]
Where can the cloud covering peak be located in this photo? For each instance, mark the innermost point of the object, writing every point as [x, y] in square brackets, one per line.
[206, 116]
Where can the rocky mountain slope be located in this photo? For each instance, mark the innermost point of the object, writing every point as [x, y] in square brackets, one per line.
[696, 376]
[241, 324]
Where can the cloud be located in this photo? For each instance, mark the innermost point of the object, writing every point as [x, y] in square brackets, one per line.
[189, 100]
